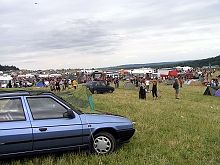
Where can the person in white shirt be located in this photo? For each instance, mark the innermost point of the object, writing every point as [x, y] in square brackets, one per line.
[147, 83]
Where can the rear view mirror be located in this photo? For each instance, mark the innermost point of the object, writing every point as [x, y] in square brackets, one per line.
[69, 114]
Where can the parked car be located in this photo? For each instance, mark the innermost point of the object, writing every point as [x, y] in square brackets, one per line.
[39, 122]
[99, 87]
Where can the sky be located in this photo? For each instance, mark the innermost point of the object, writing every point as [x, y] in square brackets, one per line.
[55, 34]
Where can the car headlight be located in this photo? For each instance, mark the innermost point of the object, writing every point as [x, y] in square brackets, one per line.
[133, 124]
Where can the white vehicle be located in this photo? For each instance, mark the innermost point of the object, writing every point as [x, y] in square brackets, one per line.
[4, 80]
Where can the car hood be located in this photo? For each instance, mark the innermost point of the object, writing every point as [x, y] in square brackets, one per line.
[111, 87]
[103, 118]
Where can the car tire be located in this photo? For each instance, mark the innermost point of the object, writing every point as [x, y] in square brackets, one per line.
[103, 143]
[110, 91]
[95, 91]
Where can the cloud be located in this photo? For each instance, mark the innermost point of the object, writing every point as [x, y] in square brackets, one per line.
[57, 33]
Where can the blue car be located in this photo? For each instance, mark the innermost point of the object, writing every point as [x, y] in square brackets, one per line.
[36, 122]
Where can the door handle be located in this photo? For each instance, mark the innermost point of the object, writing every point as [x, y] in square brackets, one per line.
[42, 129]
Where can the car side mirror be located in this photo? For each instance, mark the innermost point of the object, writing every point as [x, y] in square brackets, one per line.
[69, 114]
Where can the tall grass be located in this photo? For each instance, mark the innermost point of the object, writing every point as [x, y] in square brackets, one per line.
[168, 131]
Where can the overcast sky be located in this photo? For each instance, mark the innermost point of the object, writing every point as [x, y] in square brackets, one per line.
[43, 34]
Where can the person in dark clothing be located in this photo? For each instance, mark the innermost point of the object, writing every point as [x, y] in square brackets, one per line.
[176, 86]
[65, 84]
[57, 84]
[181, 82]
[142, 93]
[154, 89]
[108, 81]
[136, 82]
[116, 82]
[20, 84]
[9, 85]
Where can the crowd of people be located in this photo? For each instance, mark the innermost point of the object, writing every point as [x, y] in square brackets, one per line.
[55, 84]
[58, 84]
[148, 84]
[62, 84]
[144, 87]
[145, 84]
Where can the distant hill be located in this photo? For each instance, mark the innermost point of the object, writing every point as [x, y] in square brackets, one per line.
[6, 68]
[203, 62]
[193, 63]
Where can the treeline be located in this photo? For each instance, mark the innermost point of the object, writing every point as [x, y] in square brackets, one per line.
[6, 68]
[193, 63]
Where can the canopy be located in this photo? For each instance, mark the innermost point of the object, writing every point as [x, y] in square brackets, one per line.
[173, 73]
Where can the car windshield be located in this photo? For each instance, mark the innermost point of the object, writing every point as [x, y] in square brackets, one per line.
[101, 83]
[67, 100]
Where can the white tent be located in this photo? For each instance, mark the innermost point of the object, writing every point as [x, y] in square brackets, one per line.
[43, 75]
[143, 71]
[55, 75]
[4, 80]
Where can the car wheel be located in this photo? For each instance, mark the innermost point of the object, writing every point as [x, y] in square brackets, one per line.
[103, 143]
[110, 91]
[95, 92]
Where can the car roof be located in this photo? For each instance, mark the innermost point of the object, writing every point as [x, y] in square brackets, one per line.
[5, 93]
[90, 82]
[97, 81]
[11, 93]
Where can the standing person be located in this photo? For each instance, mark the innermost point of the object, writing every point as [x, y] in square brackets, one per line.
[65, 84]
[147, 82]
[9, 85]
[108, 81]
[154, 89]
[57, 84]
[142, 93]
[52, 85]
[74, 84]
[20, 84]
[136, 82]
[181, 82]
[116, 82]
[176, 86]
[62, 84]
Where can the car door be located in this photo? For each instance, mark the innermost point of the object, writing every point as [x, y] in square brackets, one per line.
[100, 87]
[105, 88]
[15, 127]
[50, 129]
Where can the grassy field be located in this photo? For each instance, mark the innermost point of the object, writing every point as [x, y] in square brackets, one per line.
[168, 131]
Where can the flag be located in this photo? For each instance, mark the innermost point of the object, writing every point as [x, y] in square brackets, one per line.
[91, 103]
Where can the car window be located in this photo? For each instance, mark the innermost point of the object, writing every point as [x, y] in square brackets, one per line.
[11, 110]
[45, 108]
[102, 84]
